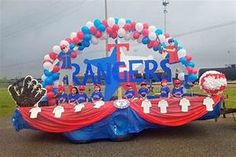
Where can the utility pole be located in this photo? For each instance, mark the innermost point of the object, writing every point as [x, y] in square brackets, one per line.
[106, 19]
[165, 3]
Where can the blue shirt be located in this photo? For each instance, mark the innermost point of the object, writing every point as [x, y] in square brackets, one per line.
[97, 95]
[177, 91]
[143, 92]
[82, 97]
[66, 59]
[62, 98]
[165, 90]
[73, 98]
[129, 93]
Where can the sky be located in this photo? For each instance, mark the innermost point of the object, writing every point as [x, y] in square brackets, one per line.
[30, 28]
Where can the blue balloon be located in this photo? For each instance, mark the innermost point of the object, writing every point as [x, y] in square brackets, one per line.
[47, 73]
[155, 48]
[160, 47]
[97, 22]
[191, 64]
[158, 32]
[128, 21]
[145, 40]
[176, 43]
[72, 46]
[43, 84]
[85, 30]
[192, 77]
[180, 47]
[116, 20]
[86, 43]
[48, 81]
[183, 60]
[163, 45]
[101, 28]
[87, 37]
[55, 76]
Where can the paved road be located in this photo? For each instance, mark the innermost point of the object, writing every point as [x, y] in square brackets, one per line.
[200, 138]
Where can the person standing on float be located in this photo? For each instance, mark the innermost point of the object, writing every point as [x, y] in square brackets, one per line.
[65, 57]
[173, 57]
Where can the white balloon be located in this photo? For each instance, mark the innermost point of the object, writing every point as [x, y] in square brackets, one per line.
[181, 76]
[94, 40]
[47, 57]
[56, 49]
[127, 36]
[121, 32]
[152, 28]
[56, 84]
[43, 77]
[73, 35]
[181, 53]
[162, 38]
[152, 36]
[121, 22]
[111, 21]
[64, 42]
[47, 65]
[89, 24]
[139, 27]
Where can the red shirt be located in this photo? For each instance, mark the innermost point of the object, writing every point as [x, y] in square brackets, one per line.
[173, 56]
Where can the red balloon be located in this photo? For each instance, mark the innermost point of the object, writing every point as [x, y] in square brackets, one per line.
[52, 102]
[190, 70]
[188, 58]
[49, 88]
[61, 88]
[194, 71]
[136, 35]
[156, 43]
[145, 32]
[80, 35]
[127, 27]
[73, 54]
[53, 55]
[56, 69]
[115, 28]
[114, 35]
[93, 30]
[76, 40]
[150, 44]
[104, 22]
[98, 34]
[145, 25]
[50, 95]
[109, 30]
[133, 25]
[166, 35]
[68, 40]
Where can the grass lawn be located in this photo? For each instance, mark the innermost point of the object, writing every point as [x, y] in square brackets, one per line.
[7, 105]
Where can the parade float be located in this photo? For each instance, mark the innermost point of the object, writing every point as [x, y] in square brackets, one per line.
[114, 117]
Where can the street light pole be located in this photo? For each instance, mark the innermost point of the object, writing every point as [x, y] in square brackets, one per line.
[106, 19]
[165, 3]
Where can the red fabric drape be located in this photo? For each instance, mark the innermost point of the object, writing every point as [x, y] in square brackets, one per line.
[174, 115]
[69, 120]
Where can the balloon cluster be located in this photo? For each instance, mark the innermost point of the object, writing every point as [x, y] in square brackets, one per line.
[213, 82]
[114, 28]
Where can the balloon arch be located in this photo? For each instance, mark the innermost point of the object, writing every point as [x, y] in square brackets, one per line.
[113, 28]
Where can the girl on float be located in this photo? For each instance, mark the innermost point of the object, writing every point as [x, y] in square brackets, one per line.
[82, 96]
[177, 90]
[129, 93]
[96, 94]
[143, 91]
[62, 96]
[73, 96]
[165, 90]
